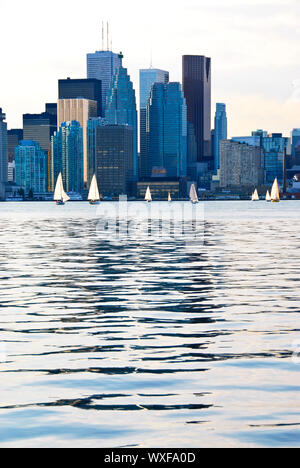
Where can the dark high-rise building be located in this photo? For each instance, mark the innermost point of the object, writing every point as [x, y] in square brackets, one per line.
[39, 128]
[3, 154]
[197, 92]
[14, 136]
[51, 108]
[220, 133]
[114, 159]
[90, 89]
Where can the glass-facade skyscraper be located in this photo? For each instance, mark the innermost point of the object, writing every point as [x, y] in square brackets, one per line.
[197, 92]
[220, 132]
[3, 154]
[147, 78]
[121, 108]
[92, 144]
[167, 131]
[31, 167]
[295, 140]
[103, 65]
[67, 156]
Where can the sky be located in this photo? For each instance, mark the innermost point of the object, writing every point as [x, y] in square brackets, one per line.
[254, 46]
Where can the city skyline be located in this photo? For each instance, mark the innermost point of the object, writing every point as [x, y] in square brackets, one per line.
[246, 74]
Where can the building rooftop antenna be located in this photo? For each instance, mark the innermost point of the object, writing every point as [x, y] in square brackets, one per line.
[102, 35]
[107, 36]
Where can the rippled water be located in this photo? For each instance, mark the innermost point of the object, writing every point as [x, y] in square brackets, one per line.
[149, 343]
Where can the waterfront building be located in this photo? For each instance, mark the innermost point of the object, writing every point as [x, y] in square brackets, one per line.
[147, 78]
[295, 137]
[161, 188]
[31, 167]
[103, 65]
[241, 165]
[11, 172]
[39, 128]
[114, 160]
[90, 89]
[14, 136]
[197, 92]
[3, 154]
[121, 109]
[80, 110]
[67, 156]
[166, 124]
[92, 124]
[219, 133]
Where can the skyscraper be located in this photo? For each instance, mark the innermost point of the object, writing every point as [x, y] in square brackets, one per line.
[103, 65]
[3, 154]
[220, 132]
[121, 108]
[147, 78]
[114, 159]
[80, 110]
[90, 89]
[295, 140]
[197, 92]
[167, 131]
[31, 167]
[67, 156]
[14, 136]
[92, 125]
[39, 128]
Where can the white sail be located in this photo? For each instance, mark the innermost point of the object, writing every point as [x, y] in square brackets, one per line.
[268, 196]
[193, 194]
[94, 191]
[275, 196]
[255, 196]
[169, 198]
[60, 194]
[148, 196]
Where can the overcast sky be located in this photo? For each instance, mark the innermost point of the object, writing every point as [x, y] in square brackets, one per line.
[254, 46]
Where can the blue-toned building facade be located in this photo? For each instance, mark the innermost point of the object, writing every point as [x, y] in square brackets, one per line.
[31, 167]
[103, 65]
[167, 131]
[220, 133]
[92, 125]
[67, 156]
[121, 109]
[295, 141]
[3, 154]
[148, 77]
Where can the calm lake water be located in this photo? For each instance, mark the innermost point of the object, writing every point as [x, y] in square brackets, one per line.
[150, 341]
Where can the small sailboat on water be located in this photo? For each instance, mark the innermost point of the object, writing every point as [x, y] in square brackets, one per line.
[255, 196]
[94, 197]
[268, 197]
[148, 196]
[275, 196]
[193, 195]
[169, 198]
[60, 195]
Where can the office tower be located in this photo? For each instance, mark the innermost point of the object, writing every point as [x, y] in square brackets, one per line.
[197, 92]
[39, 128]
[103, 65]
[67, 156]
[147, 78]
[80, 110]
[92, 124]
[14, 136]
[295, 136]
[114, 159]
[273, 146]
[90, 89]
[220, 133]
[31, 167]
[121, 108]
[3, 154]
[166, 124]
[51, 108]
[11, 172]
[241, 165]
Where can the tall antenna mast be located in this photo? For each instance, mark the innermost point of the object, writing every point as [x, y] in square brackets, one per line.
[107, 36]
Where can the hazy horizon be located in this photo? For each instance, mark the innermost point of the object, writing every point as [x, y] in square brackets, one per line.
[253, 45]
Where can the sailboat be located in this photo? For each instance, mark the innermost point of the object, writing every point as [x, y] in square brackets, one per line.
[169, 198]
[148, 196]
[255, 196]
[60, 195]
[268, 197]
[193, 195]
[94, 197]
[275, 196]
